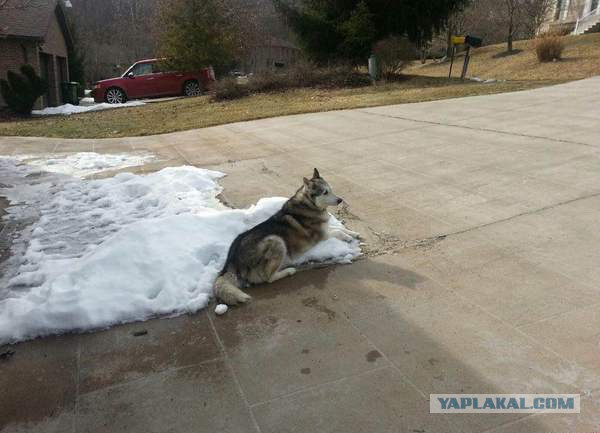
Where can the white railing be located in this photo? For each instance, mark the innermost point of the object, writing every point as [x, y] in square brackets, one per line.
[585, 17]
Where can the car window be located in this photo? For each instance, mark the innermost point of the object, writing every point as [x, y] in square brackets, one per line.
[142, 69]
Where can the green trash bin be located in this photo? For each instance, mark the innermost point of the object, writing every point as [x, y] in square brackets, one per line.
[70, 92]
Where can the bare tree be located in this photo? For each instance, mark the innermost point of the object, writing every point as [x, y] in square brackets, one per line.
[502, 20]
[114, 33]
[510, 16]
[535, 12]
[21, 4]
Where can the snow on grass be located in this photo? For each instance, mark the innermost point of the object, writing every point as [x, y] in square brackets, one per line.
[68, 109]
[486, 81]
[121, 249]
[84, 164]
[87, 101]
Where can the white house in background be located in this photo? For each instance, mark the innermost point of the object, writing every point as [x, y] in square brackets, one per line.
[576, 16]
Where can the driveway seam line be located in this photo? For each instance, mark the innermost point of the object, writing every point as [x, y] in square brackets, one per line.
[472, 128]
[401, 245]
[229, 364]
[321, 385]
[393, 365]
[174, 147]
[157, 372]
[433, 239]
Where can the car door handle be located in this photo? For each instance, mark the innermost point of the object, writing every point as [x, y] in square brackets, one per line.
[179, 75]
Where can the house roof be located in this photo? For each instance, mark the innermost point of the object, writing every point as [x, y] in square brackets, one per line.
[31, 18]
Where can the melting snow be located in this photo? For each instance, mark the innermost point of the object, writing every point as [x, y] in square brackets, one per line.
[84, 164]
[120, 249]
[486, 81]
[68, 109]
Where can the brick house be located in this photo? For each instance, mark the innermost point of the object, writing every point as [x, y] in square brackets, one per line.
[37, 35]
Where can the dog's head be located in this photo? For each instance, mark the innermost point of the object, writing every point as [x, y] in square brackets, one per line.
[320, 192]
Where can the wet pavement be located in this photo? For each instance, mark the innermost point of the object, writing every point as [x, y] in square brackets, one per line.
[480, 275]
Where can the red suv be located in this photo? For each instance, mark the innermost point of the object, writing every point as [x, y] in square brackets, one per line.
[146, 79]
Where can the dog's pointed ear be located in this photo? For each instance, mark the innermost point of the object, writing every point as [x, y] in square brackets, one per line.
[316, 174]
[306, 181]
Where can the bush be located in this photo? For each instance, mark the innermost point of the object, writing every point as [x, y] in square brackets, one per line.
[271, 82]
[301, 75]
[549, 48]
[20, 91]
[229, 88]
[304, 74]
[393, 55]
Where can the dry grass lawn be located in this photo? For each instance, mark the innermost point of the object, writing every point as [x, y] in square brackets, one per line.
[581, 59]
[190, 113]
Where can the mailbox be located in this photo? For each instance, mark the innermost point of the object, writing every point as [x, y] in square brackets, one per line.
[469, 41]
[473, 41]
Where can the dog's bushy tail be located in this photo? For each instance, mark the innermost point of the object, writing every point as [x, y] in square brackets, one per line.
[228, 292]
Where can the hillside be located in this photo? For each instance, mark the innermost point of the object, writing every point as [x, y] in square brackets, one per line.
[581, 59]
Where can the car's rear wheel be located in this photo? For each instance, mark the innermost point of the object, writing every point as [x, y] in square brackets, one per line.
[192, 88]
[114, 95]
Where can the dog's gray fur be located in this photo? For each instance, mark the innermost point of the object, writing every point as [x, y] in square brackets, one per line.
[260, 254]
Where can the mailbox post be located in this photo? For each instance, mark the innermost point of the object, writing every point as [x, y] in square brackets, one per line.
[469, 41]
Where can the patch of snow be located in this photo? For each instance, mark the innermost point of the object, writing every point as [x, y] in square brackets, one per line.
[486, 81]
[121, 249]
[87, 101]
[84, 164]
[164, 99]
[68, 109]
[221, 309]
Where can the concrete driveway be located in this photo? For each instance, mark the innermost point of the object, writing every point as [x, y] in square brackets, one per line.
[481, 275]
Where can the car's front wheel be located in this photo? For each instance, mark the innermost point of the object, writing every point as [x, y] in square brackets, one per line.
[114, 95]
[192, 88]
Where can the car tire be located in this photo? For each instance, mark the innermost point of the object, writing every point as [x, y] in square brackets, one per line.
[114, 95]
[192, 88]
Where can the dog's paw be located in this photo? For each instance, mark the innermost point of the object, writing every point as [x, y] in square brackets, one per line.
[341, 235]
[355, 235]
[349, 238]
[243, 298]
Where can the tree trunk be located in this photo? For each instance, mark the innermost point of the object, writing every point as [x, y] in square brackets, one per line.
[509, 41]
[449, 41]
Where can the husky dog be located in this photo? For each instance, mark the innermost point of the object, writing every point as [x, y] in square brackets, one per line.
[260, 254]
